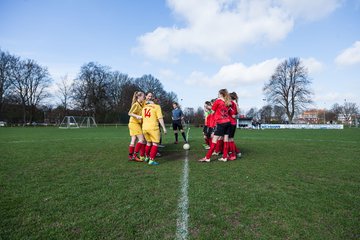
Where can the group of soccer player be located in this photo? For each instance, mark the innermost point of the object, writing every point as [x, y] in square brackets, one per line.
[145, 117]
[220, 125]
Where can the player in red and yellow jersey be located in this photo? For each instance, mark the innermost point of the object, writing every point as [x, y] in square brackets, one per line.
[135, 128]
[152, 116]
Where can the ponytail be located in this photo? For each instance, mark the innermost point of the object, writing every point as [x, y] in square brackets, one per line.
[225, 94]
[135, 97]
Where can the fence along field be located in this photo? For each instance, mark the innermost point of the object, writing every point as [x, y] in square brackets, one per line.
[296, 184]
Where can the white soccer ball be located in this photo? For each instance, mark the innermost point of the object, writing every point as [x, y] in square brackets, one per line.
[186, 146]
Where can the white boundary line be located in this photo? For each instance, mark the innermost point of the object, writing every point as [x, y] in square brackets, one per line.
[183, 205]
[61, 139]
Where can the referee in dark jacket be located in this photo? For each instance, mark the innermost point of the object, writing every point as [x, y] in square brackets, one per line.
[177, 116]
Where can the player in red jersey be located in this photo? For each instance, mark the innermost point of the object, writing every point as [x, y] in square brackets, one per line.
[207, 113]
[221, 109]
[234, 111]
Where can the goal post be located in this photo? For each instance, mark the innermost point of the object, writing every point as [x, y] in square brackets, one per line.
[73, 122]
[88, 122]
[69, 122]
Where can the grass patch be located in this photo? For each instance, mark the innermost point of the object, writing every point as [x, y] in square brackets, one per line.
[290, 184]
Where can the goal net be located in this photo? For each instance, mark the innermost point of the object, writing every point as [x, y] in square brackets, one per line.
[77, 122]
[88, 122]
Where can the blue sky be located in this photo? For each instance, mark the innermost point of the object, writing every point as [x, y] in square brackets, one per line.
[194, 47]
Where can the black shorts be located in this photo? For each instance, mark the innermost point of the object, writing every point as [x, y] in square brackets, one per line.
[209, 132]
[222, 129]
[232, 131]
[177, 125]
[205, 129]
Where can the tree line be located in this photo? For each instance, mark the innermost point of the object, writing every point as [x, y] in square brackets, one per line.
[288, 93]
[97, 91]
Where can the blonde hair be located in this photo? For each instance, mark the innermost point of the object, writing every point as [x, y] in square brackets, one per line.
[225, 94]
[136, 96]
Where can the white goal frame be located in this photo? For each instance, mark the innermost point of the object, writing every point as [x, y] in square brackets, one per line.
[74, 122]
[88, 122]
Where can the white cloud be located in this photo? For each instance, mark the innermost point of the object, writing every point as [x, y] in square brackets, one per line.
[217, 28]
[310, 10]
[236, 74]
[313, 65]
[349, 56]
[166, 74]
[322, 98]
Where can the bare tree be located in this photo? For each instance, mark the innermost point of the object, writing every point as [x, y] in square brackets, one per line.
[265, 113]
[346, 111]
[349, 110]
[65, 92]
[167, 100]
[279, 113]
[6, 66]
[148, 83]
[336, 109]
[252, 113]
[29, 81]
[199, 117]
[90, 88]
[289, 87]
[121, 90]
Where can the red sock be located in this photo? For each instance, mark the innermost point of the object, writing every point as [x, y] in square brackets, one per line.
[131, 150]
[211, 150]
[236, 149]
[142, 150]
[226, 150]
[138, 147]
[153, 151]
[232, 149]
[147, 150]
[219, 146]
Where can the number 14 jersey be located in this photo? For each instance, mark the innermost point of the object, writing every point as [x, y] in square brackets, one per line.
[150, 115]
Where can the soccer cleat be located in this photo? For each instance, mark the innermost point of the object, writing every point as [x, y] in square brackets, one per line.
[222, 159]
[204, 160]
[215, 154]
[130, 158]
[137, 159]
[158, 154]
[146, 159]
[232, 158]
[153, 163]
[207, 147]
[239, 155]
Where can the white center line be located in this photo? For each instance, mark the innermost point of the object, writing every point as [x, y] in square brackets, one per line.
[183, 216]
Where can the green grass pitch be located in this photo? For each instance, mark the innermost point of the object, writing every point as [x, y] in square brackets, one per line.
[77, 184]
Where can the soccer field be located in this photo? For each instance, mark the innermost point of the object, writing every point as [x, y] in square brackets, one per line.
[77, 184]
